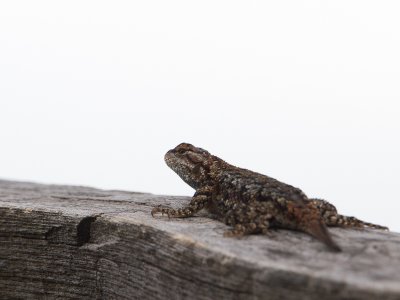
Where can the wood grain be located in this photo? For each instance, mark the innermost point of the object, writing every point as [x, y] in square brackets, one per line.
[72, 242]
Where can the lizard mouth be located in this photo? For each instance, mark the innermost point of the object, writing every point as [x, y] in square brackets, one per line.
[172, 161]
[168, 157]
[180, 166]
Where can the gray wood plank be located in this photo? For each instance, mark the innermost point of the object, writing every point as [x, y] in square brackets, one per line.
[69, 242]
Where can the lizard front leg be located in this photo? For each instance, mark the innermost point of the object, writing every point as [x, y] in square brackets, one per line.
[332, 218]
[199, 200]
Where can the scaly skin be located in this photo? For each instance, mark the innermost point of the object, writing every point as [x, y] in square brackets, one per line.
[248, 201]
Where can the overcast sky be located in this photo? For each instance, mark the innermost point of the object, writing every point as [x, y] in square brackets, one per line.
[95, 92]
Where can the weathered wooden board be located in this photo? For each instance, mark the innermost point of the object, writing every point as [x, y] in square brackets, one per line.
[71, 242]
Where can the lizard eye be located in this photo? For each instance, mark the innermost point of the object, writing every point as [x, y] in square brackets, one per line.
[181, 151]
[195, 158]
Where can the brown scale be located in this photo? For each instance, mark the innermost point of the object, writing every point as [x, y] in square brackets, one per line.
[248, 201]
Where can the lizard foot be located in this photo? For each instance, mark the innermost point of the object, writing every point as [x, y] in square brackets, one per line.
[162, 210]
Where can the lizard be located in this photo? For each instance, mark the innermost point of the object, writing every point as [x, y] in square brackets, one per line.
[250, 202]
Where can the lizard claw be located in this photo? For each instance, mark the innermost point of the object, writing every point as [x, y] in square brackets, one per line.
[156, 210]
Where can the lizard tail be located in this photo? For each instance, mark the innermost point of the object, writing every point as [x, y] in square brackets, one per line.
[317, 229]
[344, 221]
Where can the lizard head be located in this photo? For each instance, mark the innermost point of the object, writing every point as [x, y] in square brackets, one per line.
[192, 164]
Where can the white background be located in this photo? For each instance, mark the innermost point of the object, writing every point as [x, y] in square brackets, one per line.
[95, 92]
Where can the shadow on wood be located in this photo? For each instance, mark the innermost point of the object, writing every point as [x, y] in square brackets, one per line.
[76, 242]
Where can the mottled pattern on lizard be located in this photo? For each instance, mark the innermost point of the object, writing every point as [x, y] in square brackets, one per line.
[248, 201]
